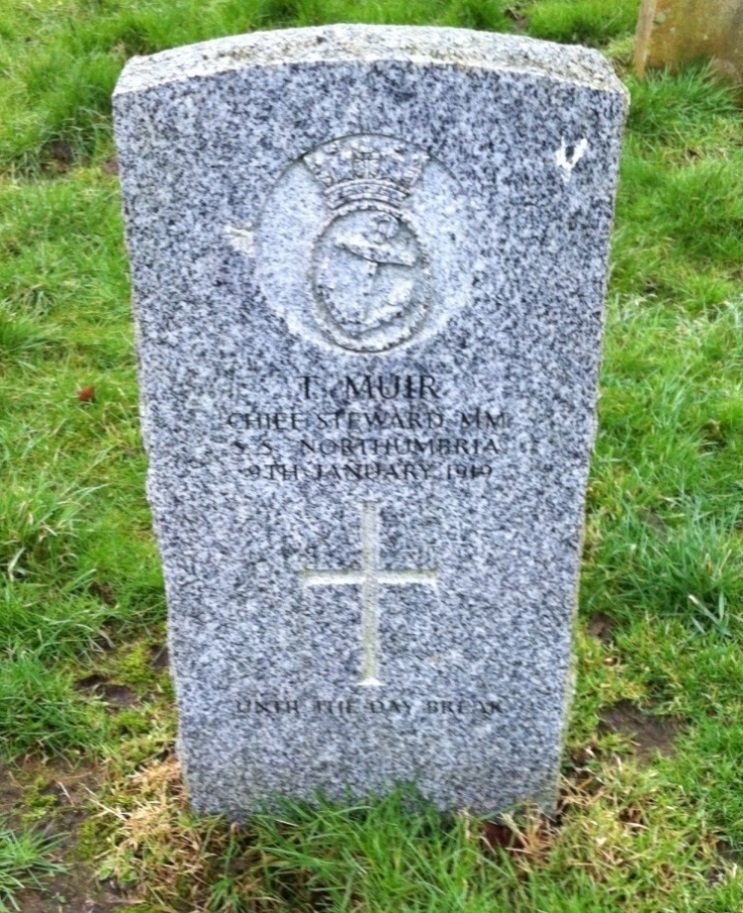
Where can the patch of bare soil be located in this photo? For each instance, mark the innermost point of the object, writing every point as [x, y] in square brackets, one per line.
[655, 521]
[58, 157]
[117, 697]
[103, 591]
[68, 894]
[160, 658]
[11, 792]
[730, 862]
[601, 627]
[67, 790]
[520, 21]
[649, 734]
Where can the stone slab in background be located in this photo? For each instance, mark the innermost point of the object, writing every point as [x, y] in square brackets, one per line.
[369, 267]
[675, 33]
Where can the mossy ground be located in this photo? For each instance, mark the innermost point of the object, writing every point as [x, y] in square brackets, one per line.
[92, 808]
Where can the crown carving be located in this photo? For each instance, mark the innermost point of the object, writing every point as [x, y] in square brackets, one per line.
[366, 169]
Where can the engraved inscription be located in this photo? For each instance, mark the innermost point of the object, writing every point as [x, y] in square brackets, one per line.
[370, 577]
[361, 428]
[345, 708]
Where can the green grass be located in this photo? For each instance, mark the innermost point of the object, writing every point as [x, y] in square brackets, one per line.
[592, 22]
[82, 607]
[60, 70]
[24, 860]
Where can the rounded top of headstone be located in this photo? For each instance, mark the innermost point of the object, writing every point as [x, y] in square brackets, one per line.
[366, 43]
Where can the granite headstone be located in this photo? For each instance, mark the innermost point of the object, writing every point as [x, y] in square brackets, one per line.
[369, 266]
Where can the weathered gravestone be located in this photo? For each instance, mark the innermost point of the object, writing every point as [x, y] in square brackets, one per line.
[369, 266]
[675, 33]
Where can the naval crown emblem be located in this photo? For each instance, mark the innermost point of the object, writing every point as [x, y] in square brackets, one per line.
[370, 275]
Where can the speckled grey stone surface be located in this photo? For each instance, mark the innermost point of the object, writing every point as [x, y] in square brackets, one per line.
[369, 267]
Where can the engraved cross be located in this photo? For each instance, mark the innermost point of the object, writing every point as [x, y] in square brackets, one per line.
[370, 577]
